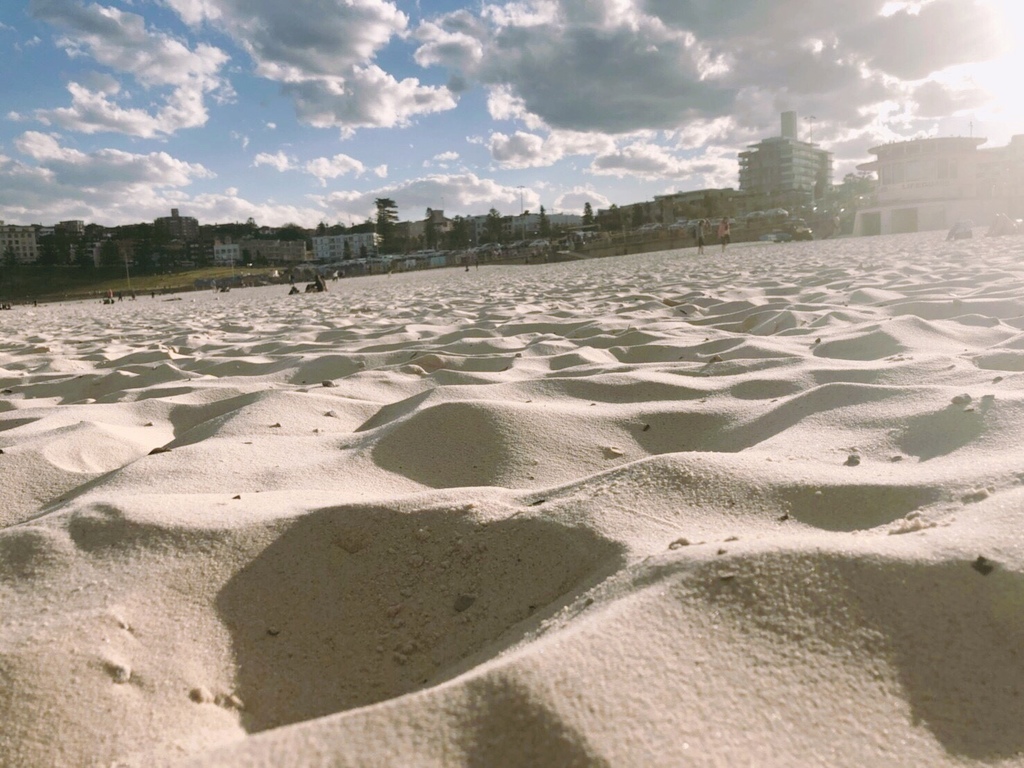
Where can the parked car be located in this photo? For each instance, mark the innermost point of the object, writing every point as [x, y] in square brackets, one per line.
[798, 229]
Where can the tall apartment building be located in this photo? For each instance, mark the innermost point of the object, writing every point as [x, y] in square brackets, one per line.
[784, 167]
[928, 184]
[20, 241]
[179, 227]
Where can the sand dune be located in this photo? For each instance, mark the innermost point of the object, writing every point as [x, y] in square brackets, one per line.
[756, 508]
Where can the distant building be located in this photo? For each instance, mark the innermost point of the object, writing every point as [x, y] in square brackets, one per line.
[249, 249]
[332, 247]
[928, 184]
[71, 227]
[225, 254]
[698, 203]
[275, 251]
[19, 241]
[785, 170]
[177, 227]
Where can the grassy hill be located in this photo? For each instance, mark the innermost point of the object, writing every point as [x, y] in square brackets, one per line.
[27, 283]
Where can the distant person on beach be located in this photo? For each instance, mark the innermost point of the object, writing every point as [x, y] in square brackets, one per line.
[723, 233]
[699, 232]
[321, 286]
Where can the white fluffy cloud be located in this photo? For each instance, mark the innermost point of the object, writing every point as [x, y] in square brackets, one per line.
[618, 66]
[278, 160]
[463, 194]
[181, 76]
[368, 98]
[574, 200]
[107, 185]
[323, 52]
[321, 168]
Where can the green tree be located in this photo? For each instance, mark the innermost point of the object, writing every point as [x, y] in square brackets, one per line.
[544, 224]
[638, 217]
[109, 255]
[291, 232]
[588, 214]
[49, 255]
[492, 227]
[10, 259]
[387, 215]
[82, 257]
[321, 229]
[458, 237]
[430, 230]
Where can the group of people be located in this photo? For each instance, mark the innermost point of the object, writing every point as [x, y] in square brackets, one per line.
[703, 227]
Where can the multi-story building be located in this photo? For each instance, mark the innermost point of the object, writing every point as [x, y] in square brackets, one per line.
[250, 249]
[178, 227]
[784, 169]
[695, 204]
[19, 242]
[328, 248]
[225, 254]
[928, 184]
[275, 251]
[71, 227]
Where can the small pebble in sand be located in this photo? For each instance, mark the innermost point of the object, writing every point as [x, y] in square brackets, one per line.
[972, 497]
[896, 458]
[148, 424]
[983, 565]
[679, 543]
[733, 538]
[200, 695]
[276, 426]
[961, 399]
[416, 561]
[273, 631]
[331, 414]
[329, 384]
[228, 701]
[159, 450]
[613, 452]
[463, 602]
[646, 427]
[784, 517]
[715, 359]
[852, 460]
[237, 497]
[119, 673]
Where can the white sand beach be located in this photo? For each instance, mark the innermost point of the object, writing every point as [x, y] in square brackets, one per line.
[755, 508]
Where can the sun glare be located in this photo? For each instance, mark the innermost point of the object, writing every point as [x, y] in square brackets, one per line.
[1002, 76]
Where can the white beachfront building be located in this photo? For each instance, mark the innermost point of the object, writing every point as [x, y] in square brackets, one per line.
[928, 184]
[227, 253]
[330, 248]
[18, 242]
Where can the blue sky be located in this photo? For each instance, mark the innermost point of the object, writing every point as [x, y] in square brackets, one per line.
[308, 110]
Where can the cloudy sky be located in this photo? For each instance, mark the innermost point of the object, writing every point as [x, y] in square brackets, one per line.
[304, 111]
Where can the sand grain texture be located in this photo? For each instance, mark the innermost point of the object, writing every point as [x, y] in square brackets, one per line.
[760, 508]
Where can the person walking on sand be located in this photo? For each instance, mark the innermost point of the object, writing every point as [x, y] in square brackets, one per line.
[723, 233]
[699, 232]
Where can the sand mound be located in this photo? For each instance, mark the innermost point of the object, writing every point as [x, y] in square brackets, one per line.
[654, 510]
